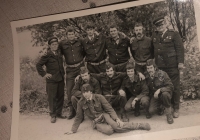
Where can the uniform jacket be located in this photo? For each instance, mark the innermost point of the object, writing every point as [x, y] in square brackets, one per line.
[93, 82]
[161, 80]
[72, 51]
[101, 105]
[96, 49]
[168, 50]
[54, 66]
[118, 53]
[110, 86]
[142, 50]
[138, 88]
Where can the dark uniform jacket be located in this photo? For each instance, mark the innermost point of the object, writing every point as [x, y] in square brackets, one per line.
[93, 82]
[161, 80]
[118, 53]
[99, 106]
[96, 49]
[110, 86]
[54, 66]
[168, 50]
[142, 50]
[72, 51]
[138, 88]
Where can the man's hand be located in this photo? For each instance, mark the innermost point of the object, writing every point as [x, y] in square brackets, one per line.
[69, 133]
[48, 76]
[133, 103]
[157, 93]
[180, 66]
[141, 76]
[76, 79]
[132, 39]
[120, 123]
[122, 93]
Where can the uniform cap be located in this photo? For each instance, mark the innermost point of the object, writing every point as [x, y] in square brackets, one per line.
[150, 62]
[86, 88]
[130, 65]
[158, 21]
[109, 65]
[52, 39]
[83, 70]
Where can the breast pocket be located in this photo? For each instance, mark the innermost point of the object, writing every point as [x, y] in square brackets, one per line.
[85, 108]
[97, 107]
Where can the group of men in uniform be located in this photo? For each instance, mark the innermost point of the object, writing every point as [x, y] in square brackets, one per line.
[114, 72]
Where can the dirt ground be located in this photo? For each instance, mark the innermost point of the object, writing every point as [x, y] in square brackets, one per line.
[38, 127]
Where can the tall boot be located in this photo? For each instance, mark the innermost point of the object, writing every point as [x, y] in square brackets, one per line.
[137, 126]
[124, 116]
[168, 112]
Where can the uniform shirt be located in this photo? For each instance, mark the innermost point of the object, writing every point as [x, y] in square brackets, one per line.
[168, 49]
[54, 66]
[92, 81]
[99, 105]
[110, 86]
[137, 88]
[142, 50]
[118, 53]
[72, 51]
[96, 49]
[160, 80]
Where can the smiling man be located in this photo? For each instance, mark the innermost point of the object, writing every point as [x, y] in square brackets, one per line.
[141, 48]
[103, 116]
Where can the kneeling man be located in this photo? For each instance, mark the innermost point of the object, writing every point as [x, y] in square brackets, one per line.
[104, 118]
[160, 89]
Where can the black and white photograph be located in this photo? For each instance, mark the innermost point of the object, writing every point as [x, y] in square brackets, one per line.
[125, 71]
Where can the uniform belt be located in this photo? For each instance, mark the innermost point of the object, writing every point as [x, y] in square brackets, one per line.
[121, 64]
[141, 63]
[75, 65]
[95, 64]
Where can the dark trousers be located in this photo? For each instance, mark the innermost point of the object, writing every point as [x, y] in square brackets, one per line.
[140, 68]
[55, 91]
[96, 68]
[110, 126]
[164, 99]
[117, 101]
[174, 75]
[144, 101]
[71, 74]
[75, 98]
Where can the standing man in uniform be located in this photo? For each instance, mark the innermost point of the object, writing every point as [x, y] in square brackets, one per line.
[118, 48]
[95, 49]
[138, 90]
[104, 118]
[141, 48]
[54, 75]
[160, 89]
[169, 56]
[83, 79]
[73, 51]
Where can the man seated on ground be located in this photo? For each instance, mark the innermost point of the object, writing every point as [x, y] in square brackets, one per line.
[138, 90]
[104, 118]
[160, 89]
[83, 79]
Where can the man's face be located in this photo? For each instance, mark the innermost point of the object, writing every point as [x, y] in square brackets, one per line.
[139, 32]
[87, 95]
[90, 31]
[54, 46]
[130, 72]
[151, 70]
[85, 77]
[162, 27]
[71, 35]
[110, 72]
[113, 32]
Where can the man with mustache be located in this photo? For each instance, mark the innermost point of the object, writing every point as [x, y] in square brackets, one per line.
[160, 90]
[103, 116]
[83, 79]
[141, 48]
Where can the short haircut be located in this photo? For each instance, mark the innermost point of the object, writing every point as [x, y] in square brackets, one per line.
[70, 29]
[138, 24]
[113, 26]
[89, 25]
